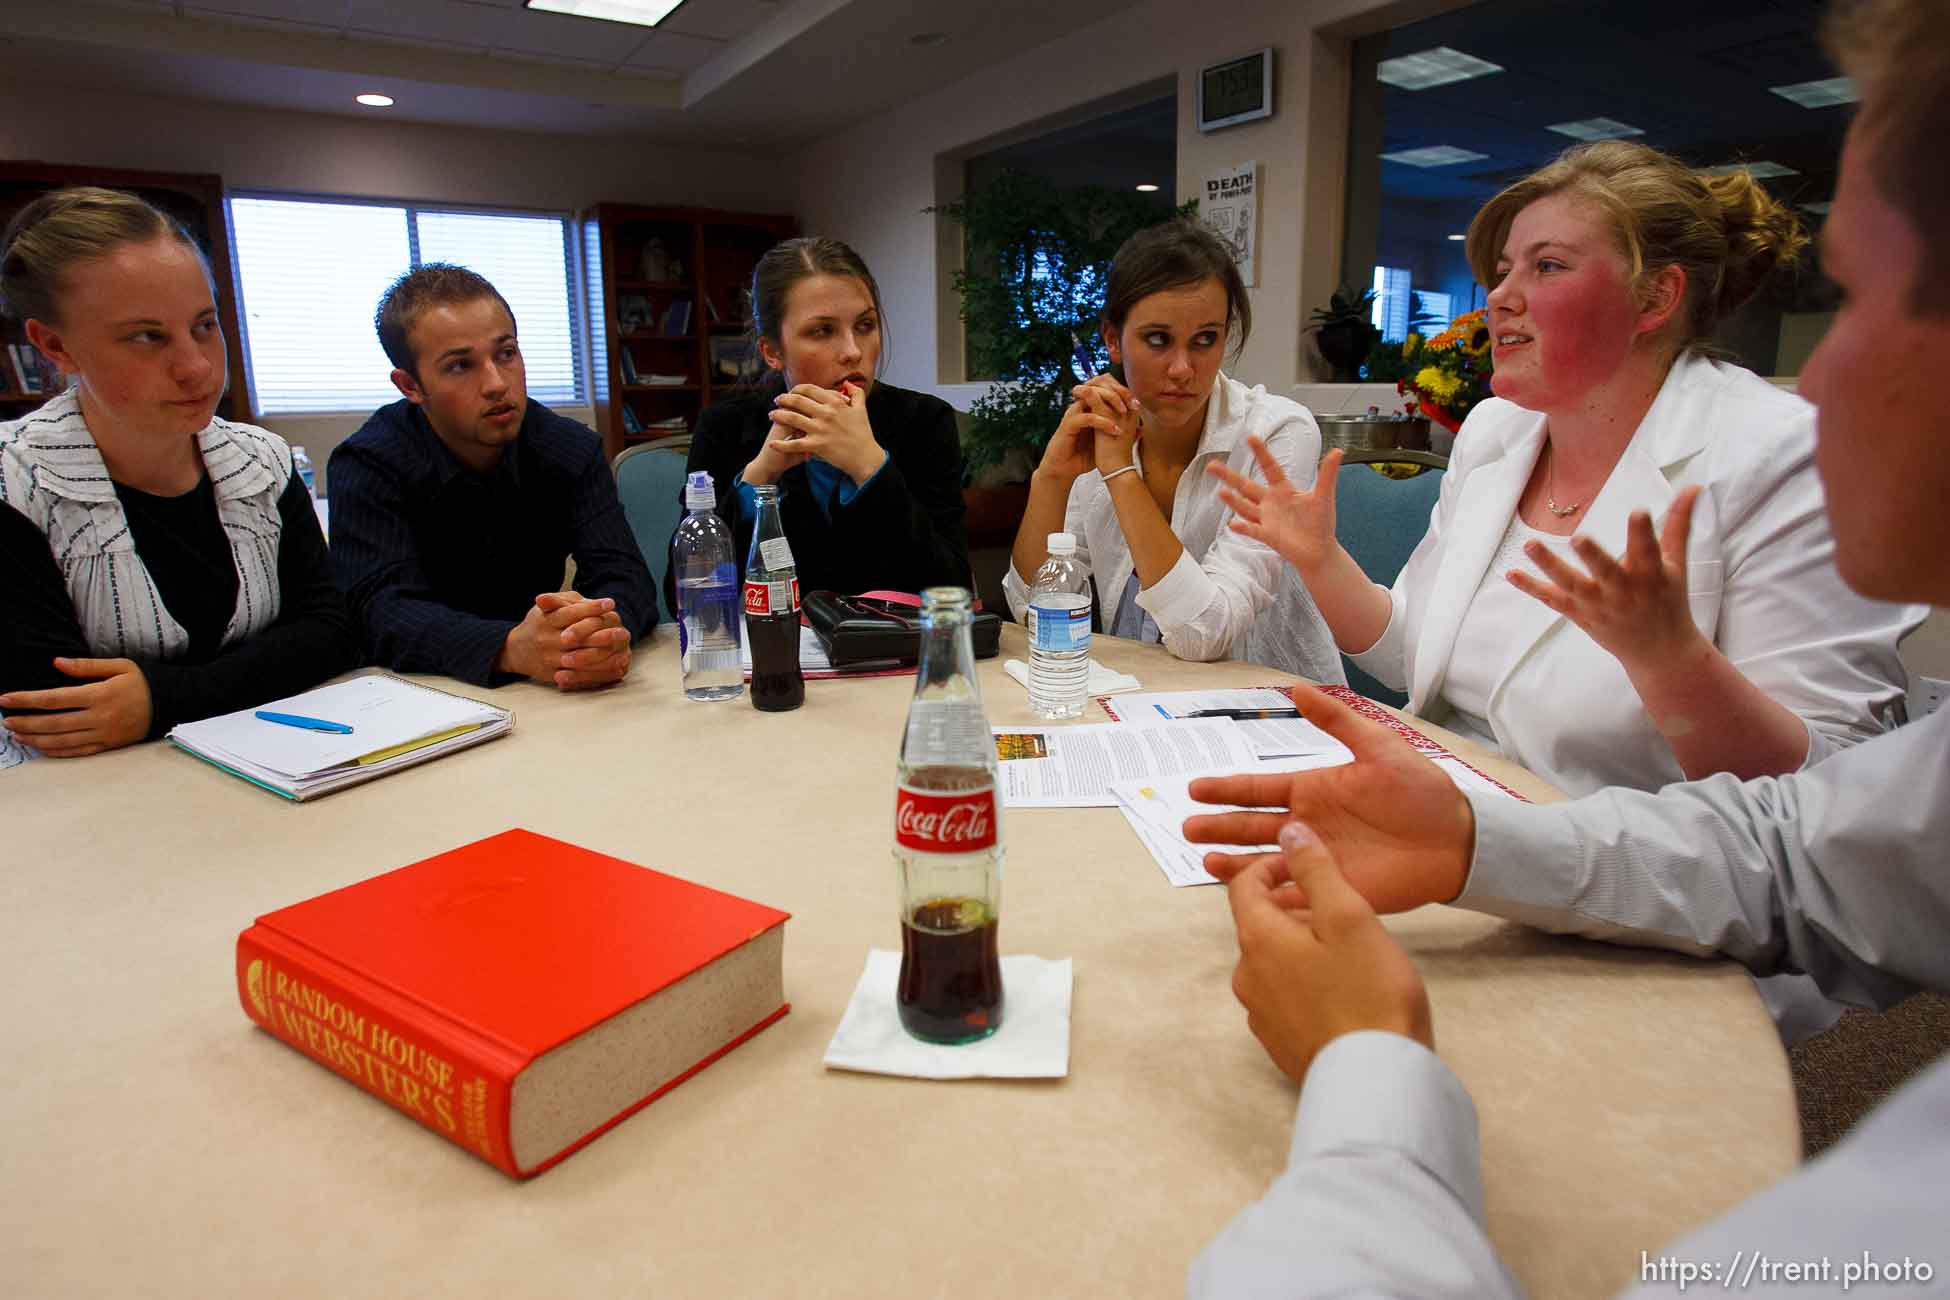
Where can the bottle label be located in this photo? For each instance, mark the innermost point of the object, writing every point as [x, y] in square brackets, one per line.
[944, 821]
[776, 553]
[1052, 627]
[771, 597]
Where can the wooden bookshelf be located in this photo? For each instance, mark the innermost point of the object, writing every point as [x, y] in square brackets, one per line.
[667, 290]
[195, 200]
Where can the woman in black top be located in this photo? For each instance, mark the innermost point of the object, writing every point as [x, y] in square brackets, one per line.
[156, 564]
[870, 474]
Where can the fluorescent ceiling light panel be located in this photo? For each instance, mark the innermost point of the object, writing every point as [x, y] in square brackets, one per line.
[642, 13]
[1437, 155]
[1819, 94]
[1596, 128]
[1436, 67]
[1760, 171]
[1147, 188]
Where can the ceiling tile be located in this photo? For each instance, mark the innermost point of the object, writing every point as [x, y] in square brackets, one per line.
[305, 13]
[280, 21]
[465, 26]
[722, 20]
[562, 37]
[669, 52]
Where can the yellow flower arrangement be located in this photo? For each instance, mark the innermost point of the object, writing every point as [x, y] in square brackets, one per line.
[1448, 373]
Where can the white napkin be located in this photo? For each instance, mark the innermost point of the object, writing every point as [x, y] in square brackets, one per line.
[1102, 680]
[1033, 1043]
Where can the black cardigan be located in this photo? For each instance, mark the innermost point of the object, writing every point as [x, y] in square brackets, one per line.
[902, 532]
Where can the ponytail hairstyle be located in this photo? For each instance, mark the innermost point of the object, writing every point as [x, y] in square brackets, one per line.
[60, 230]
[782, 267]
[1725, 231]
[1173, 255]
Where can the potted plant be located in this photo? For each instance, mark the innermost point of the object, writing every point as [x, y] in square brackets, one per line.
[1344, 332]
[1448, 373]
[1030, 293]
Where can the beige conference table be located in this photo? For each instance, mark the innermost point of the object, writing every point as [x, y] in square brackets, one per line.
[156, 1144]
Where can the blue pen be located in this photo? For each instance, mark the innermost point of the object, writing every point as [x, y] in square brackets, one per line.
[308, 724]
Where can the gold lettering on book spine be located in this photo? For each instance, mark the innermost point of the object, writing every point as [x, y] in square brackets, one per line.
[375, 1056]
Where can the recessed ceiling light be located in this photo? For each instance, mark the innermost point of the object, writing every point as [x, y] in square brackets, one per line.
[1596, 128]
[1436, 67]
[1760, 171]
[928, 40]
[1147, 188]
[1456, 238]
[375, 101]
[640, 13]
[1438, 155]
[1819, 94]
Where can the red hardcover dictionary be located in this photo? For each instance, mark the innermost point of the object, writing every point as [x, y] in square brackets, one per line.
[517, 995]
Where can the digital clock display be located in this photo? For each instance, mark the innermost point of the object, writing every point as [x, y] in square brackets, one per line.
[1238, 90]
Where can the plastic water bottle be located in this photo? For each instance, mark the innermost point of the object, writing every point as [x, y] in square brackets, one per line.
[1059, 632]
[708, 609]
[302, 463]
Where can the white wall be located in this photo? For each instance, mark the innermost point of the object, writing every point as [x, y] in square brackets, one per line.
[324, 154]
[869, 185]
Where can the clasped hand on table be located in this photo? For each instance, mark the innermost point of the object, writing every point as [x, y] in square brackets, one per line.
[570, 641]
[814, 423]
[1099, 430]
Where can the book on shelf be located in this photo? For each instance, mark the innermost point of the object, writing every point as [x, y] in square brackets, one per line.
[656, 380]
[674, 424]
[711, 310]
[633, 312]
[392, 723]
[25, 358]
[630, 423]
[677, 318]
[628, 363]
[730, 356]
[519, 995]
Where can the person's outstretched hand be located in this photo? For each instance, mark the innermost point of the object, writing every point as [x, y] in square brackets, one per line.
[1400, 828]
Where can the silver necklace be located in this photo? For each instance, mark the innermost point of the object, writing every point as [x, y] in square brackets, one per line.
[1550, 498]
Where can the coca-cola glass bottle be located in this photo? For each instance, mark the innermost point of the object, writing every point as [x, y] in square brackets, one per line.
[772, 610]
[948, 838]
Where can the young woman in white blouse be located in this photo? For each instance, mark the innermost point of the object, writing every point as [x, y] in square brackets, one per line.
[1124, 471]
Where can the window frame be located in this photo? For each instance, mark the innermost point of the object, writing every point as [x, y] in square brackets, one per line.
[572, 264]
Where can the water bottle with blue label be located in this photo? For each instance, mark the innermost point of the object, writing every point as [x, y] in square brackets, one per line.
[709, 614]
[1059, 632]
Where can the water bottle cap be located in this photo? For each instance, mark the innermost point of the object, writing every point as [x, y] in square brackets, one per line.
[698, 492]
[1062, 543]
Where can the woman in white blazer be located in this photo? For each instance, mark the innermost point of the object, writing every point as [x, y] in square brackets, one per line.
[1150, 526]
[1725, 643]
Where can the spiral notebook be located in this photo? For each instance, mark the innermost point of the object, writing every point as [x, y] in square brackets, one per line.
[394, 724]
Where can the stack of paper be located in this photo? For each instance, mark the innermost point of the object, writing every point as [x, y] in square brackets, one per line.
[394, 724]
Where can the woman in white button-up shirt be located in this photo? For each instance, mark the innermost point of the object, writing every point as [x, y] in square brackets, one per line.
[1725, 642]
[1124, 471]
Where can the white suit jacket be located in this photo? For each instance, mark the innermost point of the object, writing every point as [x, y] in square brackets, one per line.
[1760, 575]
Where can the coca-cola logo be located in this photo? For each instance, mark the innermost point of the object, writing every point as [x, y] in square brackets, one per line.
[771, 597]
[959, 822]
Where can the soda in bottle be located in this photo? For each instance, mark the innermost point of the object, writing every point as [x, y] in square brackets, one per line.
[948, 838]
[772, 610]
